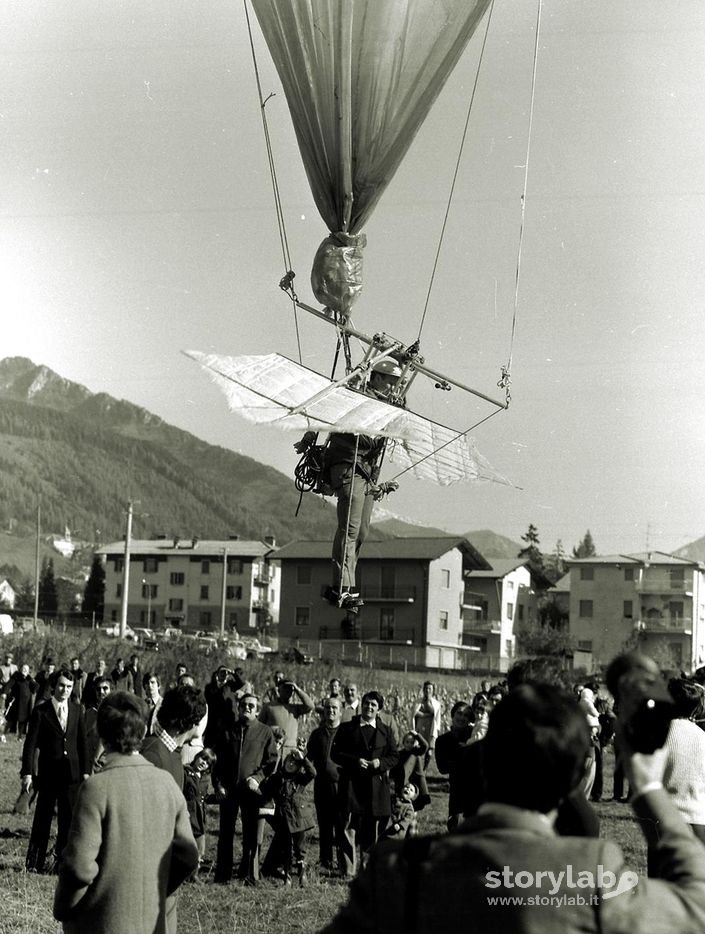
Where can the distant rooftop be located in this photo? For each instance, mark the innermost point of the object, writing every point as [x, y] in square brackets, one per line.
[413, 548]
[500, 567]
[236, 548]
[639, 558]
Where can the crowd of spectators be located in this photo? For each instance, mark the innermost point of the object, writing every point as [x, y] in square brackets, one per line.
[294, 757]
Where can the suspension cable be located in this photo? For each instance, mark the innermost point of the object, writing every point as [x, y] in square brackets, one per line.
[504, 382]
[455, 176]
[460, 434]
[283, 239]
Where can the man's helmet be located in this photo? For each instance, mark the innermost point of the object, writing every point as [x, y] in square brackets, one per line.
[388, 367]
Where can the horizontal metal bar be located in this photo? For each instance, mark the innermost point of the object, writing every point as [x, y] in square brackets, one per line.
[385, 342]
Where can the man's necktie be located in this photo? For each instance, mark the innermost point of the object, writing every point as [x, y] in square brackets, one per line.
[63, 716]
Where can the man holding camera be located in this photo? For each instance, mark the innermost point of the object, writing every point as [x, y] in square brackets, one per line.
[291, 704]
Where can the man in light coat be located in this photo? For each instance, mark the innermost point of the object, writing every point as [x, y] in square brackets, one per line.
[130, 844]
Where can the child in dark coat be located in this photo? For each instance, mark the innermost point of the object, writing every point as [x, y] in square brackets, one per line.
[293, 812]
[196, 782]
[410, 768]
[402, 823]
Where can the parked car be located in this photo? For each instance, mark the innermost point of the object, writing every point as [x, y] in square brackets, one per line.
[113, 631]
[170, 634]
[146, 638]
[293, 654]
[207, 644]
[254, 647]
[236, 649]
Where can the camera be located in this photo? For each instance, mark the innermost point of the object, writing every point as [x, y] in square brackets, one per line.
[644, 704]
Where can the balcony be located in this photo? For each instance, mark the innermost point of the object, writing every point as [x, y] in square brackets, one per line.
[482, 625]
[674, 624]
[665, 584]
[389, 594]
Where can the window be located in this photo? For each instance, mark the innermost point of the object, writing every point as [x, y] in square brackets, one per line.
[585, 611]
[445, 579]
[205, 618]
[149, 590]
[149, 565]
[204, 592]
[388, 578]
[585, 645]
[675, 609]
[303, 574]
[587, 574]
[386, 623]
[119, 565]
[113, 616]
[176, 604]
[508, 648]
[629, 574]
[147, 617]
[235, 566]
[628, 609]
[176, 578]
[510, 611]
[443, 620]
[233, 593]
[302, 615]
[510, 585]
[677, 576]
[232, 619]
[520, 612]
[205, 567]
[118, 590]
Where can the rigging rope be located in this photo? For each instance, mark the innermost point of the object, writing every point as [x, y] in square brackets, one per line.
[460, 434]
[283, 239]
[455, 176]
[506, 371]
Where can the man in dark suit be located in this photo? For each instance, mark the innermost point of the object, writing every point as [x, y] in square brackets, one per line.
[325, 785]
[364, 749]
[247, 753]
[54, 761]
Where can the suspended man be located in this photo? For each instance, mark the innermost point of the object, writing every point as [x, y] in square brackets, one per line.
[351, 467]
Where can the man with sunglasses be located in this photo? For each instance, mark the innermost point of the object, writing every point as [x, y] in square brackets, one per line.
[246, 752]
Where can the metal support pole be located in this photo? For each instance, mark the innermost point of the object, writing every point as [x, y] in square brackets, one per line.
[126, 573]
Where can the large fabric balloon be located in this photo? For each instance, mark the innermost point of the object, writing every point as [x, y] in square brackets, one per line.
[359, 77]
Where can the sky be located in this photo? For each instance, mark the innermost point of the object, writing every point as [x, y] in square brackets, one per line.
[137, 220]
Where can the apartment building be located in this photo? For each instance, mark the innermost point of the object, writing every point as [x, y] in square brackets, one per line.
[193, 584]
[413, 589]
[652, 601]
[497, 602]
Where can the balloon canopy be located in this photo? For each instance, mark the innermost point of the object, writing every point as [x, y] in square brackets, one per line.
[359, 77]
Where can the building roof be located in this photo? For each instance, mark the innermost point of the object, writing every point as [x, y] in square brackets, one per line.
[500, 567]
[188, 546]
[562, 585]
[643, 558]
[401, 549]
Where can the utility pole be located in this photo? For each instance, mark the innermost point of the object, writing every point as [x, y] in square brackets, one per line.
[223, 593]
[126, 573]
[36, 569]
